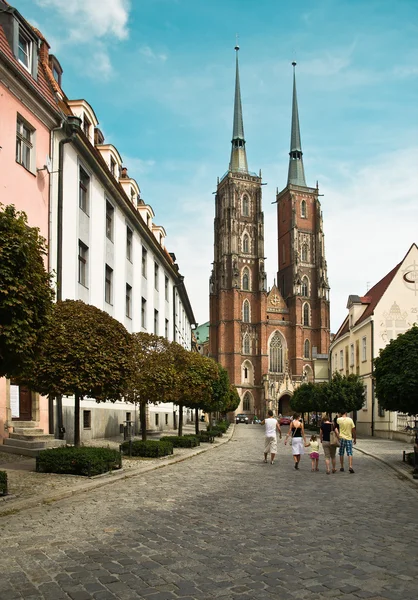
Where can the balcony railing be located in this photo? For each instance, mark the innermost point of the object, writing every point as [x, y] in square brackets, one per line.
[407, 423]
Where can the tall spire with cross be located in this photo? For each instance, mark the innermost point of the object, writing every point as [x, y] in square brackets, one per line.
[296, 174]
[238, 160]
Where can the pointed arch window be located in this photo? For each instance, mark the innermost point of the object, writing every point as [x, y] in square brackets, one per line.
[306, 315]
[245, 373]
[246, 280]
[304, 252]
[246, 311]
[306, 349]
[246, 244]
[246, 404]
[305, 287]
[276, 354]
[246, 344]
[303, 212]
[245, 206]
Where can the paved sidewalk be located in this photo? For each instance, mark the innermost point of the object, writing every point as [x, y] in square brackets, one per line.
[389, 452]
[28, 488]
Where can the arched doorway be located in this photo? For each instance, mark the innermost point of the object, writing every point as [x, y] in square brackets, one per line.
[284, 405]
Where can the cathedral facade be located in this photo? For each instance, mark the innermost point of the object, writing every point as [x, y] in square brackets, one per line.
[267, 339]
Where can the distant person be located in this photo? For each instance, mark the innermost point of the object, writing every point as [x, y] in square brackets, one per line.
[271, 427]
[325, 437]
[348, 437]
[313, 445]
[297, 434]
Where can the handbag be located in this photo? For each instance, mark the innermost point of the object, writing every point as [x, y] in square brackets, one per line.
[333, 437]
[292, 436]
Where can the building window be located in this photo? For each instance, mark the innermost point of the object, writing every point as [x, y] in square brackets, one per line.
[110, 211]
[166, 288]
[24, 143]
[86, 419]
[144, 262]
[246, 244]
[82, 263]
[306, 349]
[156, 322]
[246, 312]
[112, 166]
[143, 313]
[166, 329]
[246, 405]
[304, 252]
[303, 209]
[86, 126]
[24, 50]
[341, 359]
[84, 189]
[128, 301]
[108, 284]
[157, 419]
[351, 355]
[306, 315]
[305, 287]
[276, 354]
[246, 344]
[364, 349]
[156, 272]
[245, 280]
[129, 238]
[245, 206]
[245, 373]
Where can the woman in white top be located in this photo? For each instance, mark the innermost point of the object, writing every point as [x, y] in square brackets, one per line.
[297, 433]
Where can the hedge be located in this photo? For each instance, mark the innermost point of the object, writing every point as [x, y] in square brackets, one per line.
[148, 449]
[215, 432]
[3, 483]
[84, 461]
[205, 436]
[185, 441]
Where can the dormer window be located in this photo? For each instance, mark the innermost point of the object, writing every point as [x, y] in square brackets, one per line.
[86, 126]
[112, 166]
[24, 53]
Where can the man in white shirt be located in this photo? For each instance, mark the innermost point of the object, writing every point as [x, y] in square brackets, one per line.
[271, 426]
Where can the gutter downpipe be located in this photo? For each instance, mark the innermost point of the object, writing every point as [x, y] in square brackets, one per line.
[372, 370]
[72, 126]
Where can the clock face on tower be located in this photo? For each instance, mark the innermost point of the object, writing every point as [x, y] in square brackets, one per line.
[275, 300]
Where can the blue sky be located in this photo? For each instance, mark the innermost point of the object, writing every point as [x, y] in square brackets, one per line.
[160, 77]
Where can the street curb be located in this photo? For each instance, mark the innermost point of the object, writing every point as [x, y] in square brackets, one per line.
[393, 467]
[112, 478]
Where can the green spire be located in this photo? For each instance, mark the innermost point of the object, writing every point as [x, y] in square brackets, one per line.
[238, 160]
[296, 171]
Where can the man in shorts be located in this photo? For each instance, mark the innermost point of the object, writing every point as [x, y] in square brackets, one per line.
[270, 445]
[348, 437]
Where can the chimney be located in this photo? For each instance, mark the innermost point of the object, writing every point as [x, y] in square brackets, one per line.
[124, 174]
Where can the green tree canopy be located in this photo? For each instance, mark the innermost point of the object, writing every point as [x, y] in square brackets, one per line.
[84, 352]
[396, 372]
[304, 398]
[338, 394]
[25, 292]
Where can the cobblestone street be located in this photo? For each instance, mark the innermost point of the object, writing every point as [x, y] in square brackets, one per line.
[222, 525]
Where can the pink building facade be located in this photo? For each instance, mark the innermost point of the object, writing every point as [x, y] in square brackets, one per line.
[29, 111]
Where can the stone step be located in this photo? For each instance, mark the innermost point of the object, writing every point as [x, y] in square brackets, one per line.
[30, 424]
[17, 443]
[28, 431]
[32, 438]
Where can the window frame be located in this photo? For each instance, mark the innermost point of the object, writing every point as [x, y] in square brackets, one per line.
[144, 261]
[245, 206]
[83, 252]
[364, 349]
[129, 243]
[303, 210]
[156, 275]
[156, 321]
[143, 313]
[84, 190]
[128, 301]
[108, 285]
[246, 244]
[110, 220]
[246, 312]
[246, 280]
[305, 287]
[24, 143]
[29, 54]
[306, 349]
[306, 315]
[276, 362]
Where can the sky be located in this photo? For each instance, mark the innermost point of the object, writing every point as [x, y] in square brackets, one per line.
[159, 75]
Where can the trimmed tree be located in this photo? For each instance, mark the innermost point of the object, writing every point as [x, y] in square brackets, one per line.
[340, 393]
[84, 353]
[153, 374]
[396, 372]
[25, 292]
[304, 398]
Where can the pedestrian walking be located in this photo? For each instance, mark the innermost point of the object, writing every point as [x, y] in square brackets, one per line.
[297, 435]
[325, 437]
[348, 437]
[313, 446]
[270, 444]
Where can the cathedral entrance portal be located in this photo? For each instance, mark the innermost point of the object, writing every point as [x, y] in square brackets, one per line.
[284, 405]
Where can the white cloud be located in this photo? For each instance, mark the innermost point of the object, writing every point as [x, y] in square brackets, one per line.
[151, 55]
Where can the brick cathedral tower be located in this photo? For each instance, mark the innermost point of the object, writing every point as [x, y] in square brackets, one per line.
[238, 280]
[267, 340]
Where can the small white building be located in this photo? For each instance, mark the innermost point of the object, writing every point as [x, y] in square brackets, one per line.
[388, 309]
[107, 251]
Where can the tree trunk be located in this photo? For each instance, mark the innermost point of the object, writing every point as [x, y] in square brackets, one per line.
[180, 419]
[196, 419]
[76, 420]
[143, 419]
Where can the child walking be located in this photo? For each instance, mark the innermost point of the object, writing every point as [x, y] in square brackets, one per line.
[314, 452]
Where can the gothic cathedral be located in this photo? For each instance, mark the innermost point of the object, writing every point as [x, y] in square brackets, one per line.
[268, 340]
